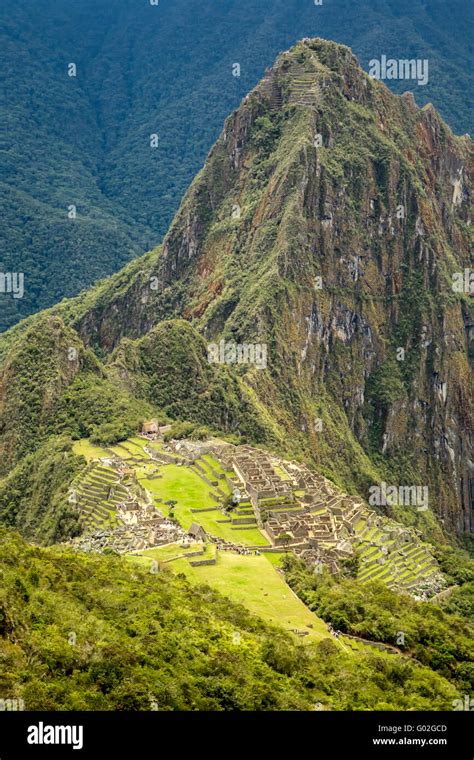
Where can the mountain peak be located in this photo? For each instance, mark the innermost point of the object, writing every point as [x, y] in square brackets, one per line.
[299, 74]
[324, 210]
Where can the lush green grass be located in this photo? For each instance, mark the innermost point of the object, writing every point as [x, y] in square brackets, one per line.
[183, 485]
[140, 442]
[274, 558]
[211, 462]
[135, 447]
[88, 450]
[253, 582]
[281, 473]
[122, 451]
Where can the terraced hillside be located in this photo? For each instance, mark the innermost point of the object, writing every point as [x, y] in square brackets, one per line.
[148, 493]
[387, 553]
[231, 517]
[97, 493]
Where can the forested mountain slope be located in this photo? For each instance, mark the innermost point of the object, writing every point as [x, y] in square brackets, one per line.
[94, 633]
[329, 229]
[164, 70]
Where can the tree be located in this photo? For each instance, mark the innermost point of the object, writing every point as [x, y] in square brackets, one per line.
[286, 538]
[171, 504]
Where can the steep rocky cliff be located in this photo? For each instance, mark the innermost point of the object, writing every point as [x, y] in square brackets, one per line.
[331, 220]
[330, 223]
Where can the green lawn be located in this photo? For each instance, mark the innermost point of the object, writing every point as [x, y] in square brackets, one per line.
[128, 450]
[184, 486]
[140, 442]
[87, 449]
[209, 462]
[253, 582]
[282, 474]
[274, 558]
[136, 447]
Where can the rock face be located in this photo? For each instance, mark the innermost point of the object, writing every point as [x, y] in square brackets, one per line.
[331, 223]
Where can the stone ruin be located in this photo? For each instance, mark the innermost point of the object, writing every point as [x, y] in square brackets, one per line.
[303, 512]
[296, 509]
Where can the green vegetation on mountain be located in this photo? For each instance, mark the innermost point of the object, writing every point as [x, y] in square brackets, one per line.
[318, 266]
[460, 602]
[457, 564]
[35, 373]
[162, 70]
[33, 496]
[96, 407]
[53, 385]
[66, 644]
[438, 639]
[170, 368]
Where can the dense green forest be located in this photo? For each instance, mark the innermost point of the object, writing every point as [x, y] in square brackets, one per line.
[426, 631]
[83, 141]
[84, 632]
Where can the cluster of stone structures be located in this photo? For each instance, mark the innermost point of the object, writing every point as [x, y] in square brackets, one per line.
[301, 511]
[296, 509]
[116, 513]
[126, 539]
